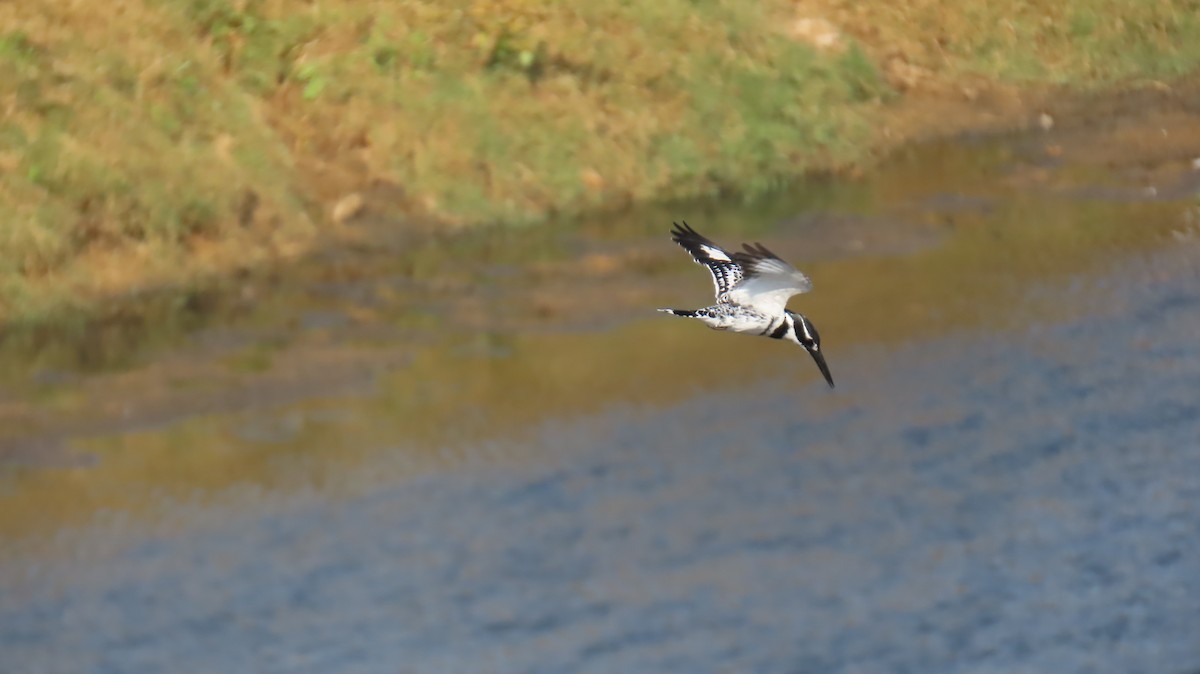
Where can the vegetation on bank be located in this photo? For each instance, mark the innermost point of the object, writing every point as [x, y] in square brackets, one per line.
[161, 141]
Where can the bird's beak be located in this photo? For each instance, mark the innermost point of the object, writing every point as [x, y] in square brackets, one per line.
[815, 352]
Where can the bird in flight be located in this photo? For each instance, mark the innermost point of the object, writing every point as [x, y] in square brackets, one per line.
[753, 287]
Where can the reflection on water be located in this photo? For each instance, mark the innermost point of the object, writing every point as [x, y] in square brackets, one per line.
[485, 453]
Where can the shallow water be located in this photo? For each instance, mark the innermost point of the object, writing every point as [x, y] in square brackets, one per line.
[375, 470]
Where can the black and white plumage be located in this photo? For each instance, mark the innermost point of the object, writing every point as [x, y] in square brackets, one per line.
[752, 288]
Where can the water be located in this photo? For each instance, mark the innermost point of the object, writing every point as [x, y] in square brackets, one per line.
[1006, 478]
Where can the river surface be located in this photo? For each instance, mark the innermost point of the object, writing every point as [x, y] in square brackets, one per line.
[491, 455]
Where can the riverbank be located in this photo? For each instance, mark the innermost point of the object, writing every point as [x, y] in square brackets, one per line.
[433, 339]
[267, 128]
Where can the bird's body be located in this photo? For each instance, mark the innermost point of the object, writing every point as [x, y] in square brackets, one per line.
[752, 288]
[732, 317]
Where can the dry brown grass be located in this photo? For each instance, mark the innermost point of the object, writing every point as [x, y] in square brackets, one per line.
[130, 162]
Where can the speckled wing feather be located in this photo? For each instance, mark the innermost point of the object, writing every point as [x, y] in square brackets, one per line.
[726, 272]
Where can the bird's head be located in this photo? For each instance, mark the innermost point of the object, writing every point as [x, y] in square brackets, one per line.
[805, 334]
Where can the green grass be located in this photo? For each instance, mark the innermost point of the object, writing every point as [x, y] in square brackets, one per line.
[1082, 43]
[193, 137]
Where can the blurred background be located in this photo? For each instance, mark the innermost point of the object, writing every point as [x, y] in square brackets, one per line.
[327, 338]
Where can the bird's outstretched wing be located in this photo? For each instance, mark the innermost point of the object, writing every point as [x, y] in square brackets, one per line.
[726, 270]
[755, 277]
[767, 281]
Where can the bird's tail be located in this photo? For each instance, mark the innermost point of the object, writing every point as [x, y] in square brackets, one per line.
[686, 313]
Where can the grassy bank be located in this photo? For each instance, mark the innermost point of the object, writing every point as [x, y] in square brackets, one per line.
[164, 141]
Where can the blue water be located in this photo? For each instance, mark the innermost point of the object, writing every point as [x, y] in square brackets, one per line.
[1017, 501]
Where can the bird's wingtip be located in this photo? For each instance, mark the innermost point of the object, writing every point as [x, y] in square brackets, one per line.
[682, 228]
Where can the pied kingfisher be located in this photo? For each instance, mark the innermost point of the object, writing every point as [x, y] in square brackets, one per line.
[753, 288]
